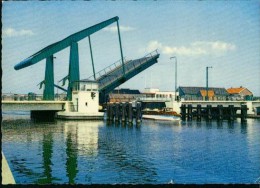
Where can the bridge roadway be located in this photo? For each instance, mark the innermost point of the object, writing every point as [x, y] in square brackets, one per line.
[253, 106]
[33, 105]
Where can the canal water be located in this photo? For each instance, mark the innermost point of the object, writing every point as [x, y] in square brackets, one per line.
[94, 152]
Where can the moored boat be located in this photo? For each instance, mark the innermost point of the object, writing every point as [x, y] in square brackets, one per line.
[164, 115]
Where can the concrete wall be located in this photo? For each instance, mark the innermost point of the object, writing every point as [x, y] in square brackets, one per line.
[84, 102]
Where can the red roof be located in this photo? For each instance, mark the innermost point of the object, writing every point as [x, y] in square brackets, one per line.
[235, 90]
[204, 93]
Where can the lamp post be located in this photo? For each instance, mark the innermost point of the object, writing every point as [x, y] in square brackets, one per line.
[175, 76]
[207, 84]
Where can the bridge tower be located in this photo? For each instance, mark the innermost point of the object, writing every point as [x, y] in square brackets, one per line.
[74, 74]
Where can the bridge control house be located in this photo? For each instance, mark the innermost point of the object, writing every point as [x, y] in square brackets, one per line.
[85, 102]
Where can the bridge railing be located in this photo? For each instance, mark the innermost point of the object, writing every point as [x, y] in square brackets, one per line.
[30, 97]
[107, 69]
[131, 65]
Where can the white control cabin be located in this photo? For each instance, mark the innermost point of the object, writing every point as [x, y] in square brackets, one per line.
[85, 96]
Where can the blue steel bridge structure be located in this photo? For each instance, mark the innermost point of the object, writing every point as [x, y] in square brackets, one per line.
[109, 78]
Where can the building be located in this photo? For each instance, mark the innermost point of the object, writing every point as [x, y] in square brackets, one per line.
[240, 93]
[200, 93]
[123, 95]
[154, 93]
[153, 98]
[149, 95]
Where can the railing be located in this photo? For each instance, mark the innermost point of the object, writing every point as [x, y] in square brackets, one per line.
[29, 97]
[116, 65]
[107, 69]
[129, 66]
[155, 99]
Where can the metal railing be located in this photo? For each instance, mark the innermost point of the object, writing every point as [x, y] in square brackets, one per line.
[107, 69]
[129, 66]
[155, 99]
[29, 97]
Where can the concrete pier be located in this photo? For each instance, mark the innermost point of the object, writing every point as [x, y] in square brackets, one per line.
[7, 176]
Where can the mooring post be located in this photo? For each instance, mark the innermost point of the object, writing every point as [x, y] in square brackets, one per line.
[198, 112]
[138, 112]
[112, 112]
[117, 112]
[120, 111]
[183, 111]
[126, 111]
[231, 112]
[220, 112]
[123, 112]
[130, 113]
[243, 112]
[189, 112]
[209, 112]
[108, 112]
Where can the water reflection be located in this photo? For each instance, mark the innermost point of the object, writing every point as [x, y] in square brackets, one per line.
[155, 152]
[81, 140]
[130, 166]
[199, 124]
[209, 124]
[71, 162]
[243, 127]
[47, 147]
[219, 124]
[231, 126]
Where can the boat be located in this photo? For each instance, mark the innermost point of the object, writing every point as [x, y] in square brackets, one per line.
[164, 115]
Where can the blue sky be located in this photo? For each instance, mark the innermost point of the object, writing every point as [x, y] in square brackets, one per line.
[221, 34]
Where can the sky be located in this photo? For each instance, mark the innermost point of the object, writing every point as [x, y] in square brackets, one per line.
[221, 34]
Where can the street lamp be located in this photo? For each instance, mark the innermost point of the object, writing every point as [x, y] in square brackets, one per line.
[175, 76]
[207, 84]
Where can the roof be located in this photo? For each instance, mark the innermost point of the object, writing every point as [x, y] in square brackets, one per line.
[235, 90]
[196, 90]
[86, 80]
[203, 93]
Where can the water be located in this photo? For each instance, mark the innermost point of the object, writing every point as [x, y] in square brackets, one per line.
[94, 152]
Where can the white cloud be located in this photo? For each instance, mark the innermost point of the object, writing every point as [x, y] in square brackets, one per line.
[197, 48]
[122, 28]
[11, 32]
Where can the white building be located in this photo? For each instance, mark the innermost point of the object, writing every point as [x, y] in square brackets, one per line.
[154, 96]
[85, 102]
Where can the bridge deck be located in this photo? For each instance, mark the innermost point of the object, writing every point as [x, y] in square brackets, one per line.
[114, 76]
[33, 105]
